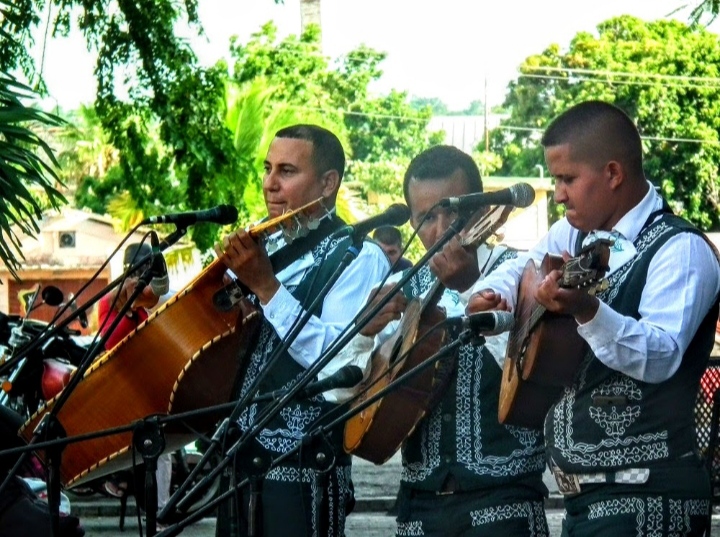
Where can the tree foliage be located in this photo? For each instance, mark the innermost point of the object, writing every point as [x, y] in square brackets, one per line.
[27, 170]
[379, 127]
[664, 74]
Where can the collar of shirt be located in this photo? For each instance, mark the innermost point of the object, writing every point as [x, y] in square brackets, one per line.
[630, 225]
[293, 274]
[627, 229]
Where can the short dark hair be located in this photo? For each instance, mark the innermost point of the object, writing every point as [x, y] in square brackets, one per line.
[597, 133]
[439, 162]
[328, 153]
[388, 235]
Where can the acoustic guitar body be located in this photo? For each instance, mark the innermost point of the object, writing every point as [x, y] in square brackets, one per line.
[376, 433]
[544, 351]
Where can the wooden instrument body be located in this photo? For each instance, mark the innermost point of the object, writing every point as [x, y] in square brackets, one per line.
[184, 357]
[377, 432]
[139, 377]
[544, 349]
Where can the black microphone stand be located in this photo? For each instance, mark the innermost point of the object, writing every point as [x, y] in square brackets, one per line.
[322, 361]
[317, 435]
[269, 412]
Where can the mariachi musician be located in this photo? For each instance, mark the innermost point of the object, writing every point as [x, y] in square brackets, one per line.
[463, 473]
[303, 163]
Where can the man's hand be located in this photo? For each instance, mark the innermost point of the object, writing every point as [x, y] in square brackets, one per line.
[250, 263]
[486, 300]
[390, 312]
[455, 266]
[575, 302]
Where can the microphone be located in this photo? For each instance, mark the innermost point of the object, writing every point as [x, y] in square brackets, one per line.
[345, 377]
[222, 214]
[486, 323]
[160, 283]
[518, 195]
[395, 215]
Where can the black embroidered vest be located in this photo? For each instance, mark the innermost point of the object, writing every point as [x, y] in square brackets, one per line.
[461, 435]
[284, 431]
[607, 420]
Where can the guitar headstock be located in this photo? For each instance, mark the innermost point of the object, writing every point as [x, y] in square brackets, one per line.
[587, 270]
[293, 224]
[480, 230]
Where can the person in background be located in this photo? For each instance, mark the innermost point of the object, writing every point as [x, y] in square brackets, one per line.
[621, 439]
[390, 240]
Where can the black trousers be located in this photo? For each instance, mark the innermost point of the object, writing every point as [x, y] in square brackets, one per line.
[292, 502]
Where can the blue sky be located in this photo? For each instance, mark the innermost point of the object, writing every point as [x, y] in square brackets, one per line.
[446, 53]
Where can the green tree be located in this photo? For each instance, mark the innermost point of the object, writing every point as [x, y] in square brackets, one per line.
[27, 164]
[663, 73]
[379, 127]
[27, 170]
[438, 107]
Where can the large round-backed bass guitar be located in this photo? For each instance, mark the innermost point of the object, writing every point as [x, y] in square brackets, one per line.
[184, 357]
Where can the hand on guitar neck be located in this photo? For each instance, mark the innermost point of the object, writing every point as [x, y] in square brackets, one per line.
[568, 301]
[456, 266]
[251, 264]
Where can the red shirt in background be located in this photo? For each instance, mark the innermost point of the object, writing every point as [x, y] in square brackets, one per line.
[106, 316]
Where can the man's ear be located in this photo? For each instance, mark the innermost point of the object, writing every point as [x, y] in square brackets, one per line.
[331, 183]
[615, 173]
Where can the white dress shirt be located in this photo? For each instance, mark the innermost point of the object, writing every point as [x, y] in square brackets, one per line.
[683, 281]
[341, 304]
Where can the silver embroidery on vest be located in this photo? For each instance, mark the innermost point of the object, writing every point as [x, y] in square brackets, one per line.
[615, 449]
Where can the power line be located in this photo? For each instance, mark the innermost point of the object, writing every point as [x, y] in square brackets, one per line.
[602, 72]
[617, 82]
[498, 127]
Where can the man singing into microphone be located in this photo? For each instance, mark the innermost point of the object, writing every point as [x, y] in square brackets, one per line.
[303, 163]
[464, 474]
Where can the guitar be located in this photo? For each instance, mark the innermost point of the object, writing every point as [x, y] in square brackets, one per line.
[184, 357]
[544, 349]
[377, 432]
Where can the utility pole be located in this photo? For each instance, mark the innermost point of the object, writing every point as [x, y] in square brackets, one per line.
[485, 117]
[310, 14]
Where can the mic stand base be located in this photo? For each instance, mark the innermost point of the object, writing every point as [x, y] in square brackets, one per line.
[149, 441]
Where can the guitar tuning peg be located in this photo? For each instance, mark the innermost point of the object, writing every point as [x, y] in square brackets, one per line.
[313, 224]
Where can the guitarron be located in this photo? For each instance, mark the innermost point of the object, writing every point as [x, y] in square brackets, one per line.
[184, 357]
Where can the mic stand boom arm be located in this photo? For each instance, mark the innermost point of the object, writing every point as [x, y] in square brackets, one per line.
[44, 337]
[49, 425]
[269, 412]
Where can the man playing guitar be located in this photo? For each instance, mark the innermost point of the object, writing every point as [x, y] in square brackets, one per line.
[303, 163]
[621, 439]
[463, 472]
